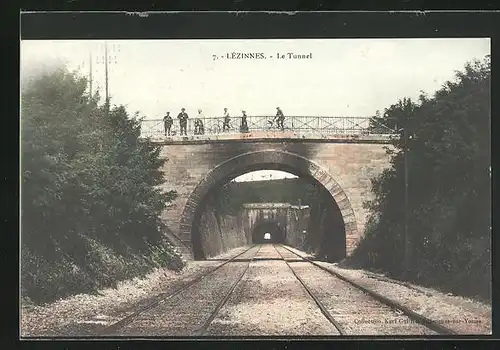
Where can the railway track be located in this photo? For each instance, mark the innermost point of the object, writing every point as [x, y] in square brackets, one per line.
[400, 309]
[337, 297]
[322, 307]
[201, 331]
[251, 306]
[164, 297]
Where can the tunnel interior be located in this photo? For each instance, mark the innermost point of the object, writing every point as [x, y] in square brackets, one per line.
[268, 232]
[324, 235]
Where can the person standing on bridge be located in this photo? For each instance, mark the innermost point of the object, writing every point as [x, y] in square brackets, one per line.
[198, 124]
[227, 119]
[167, 123]
[280, 118]
[244, 125]
[183, 117]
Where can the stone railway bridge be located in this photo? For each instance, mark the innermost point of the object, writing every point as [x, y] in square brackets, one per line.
[342, 165]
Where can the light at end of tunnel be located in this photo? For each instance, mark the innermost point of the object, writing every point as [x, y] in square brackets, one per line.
[267, 236]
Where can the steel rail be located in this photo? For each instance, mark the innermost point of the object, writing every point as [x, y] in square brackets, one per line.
[323, 309]
[427, 322]
[165, 296]
[202, 330]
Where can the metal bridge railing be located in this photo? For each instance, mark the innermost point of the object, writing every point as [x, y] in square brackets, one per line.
[318, 126]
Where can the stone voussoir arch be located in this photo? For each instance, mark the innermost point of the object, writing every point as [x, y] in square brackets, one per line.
[266, 159]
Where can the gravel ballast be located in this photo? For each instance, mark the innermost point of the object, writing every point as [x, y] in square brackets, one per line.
[84, 314]
[184, 314]
[460, 314]
[268, 301]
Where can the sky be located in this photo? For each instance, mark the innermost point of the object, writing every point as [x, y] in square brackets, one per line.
[343, 77]
[264, 175]
[352, 77]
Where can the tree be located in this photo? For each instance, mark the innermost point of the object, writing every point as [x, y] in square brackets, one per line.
[90, 191]
[449, 187]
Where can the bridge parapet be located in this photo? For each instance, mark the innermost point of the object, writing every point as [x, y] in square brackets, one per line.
[273, 137]
[295, 127]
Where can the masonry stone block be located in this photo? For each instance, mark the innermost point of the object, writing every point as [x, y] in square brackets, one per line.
[344, 204]
[349, 216]
[331, 185]
[340, 197]
[350, 226]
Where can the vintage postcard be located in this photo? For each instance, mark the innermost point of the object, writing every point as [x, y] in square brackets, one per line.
[255, 187]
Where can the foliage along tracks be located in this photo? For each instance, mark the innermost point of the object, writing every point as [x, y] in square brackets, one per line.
[163, 297]
[380, 298]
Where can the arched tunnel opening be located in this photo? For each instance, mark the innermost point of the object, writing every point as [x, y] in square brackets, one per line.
[267, 233]
[219, 225]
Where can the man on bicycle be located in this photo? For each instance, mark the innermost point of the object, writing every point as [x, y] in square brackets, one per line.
[280, 118]
[227, 118]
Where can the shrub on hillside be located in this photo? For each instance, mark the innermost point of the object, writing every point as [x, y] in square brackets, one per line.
[90, 197]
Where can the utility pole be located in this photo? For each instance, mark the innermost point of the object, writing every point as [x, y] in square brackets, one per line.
[106, 73]
[108, 59]
[407, 262]
[90, 73]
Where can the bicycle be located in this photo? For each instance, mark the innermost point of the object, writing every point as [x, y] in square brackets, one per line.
[273, 124]
[215, 129]
[229, 126]
[218, 127]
